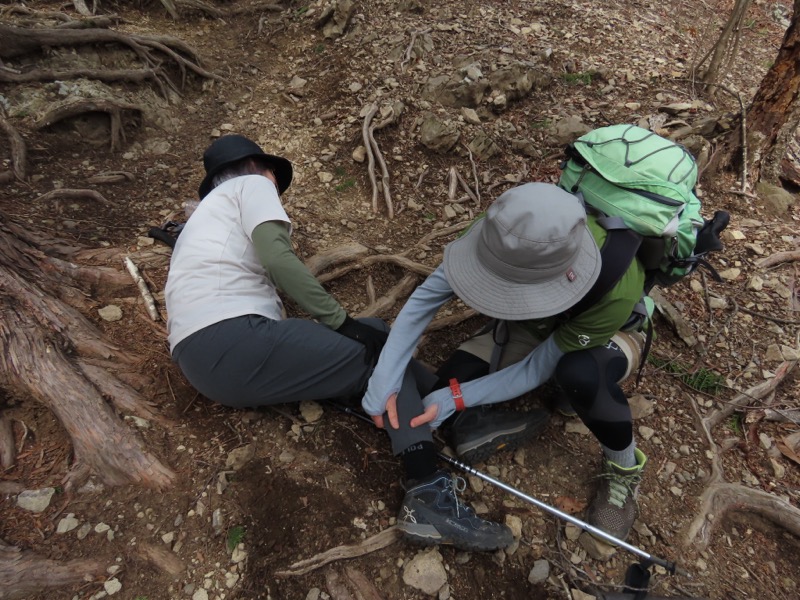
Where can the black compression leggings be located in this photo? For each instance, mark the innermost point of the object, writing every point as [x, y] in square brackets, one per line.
[590, 379]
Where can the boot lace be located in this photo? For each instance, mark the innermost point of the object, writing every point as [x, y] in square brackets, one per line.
[454, 486]
[620, 486]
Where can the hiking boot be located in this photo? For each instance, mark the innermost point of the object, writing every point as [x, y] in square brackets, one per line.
[614, 506]
[564, 406]
[432, 513]
[477, 433]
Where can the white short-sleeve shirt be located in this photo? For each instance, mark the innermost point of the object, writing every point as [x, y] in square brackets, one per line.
[215, 273]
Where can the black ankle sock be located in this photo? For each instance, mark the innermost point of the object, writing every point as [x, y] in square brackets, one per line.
[419, 460]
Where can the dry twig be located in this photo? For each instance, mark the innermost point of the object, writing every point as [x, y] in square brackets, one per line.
[149, 301]
[379, 541]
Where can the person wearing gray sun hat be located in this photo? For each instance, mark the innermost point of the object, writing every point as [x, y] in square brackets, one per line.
[531, 264]
[525, 260]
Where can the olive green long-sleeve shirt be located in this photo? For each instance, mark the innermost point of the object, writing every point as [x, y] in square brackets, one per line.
[292, 277]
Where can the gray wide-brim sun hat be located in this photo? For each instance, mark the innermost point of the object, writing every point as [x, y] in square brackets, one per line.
[232, 148]
[530, 257]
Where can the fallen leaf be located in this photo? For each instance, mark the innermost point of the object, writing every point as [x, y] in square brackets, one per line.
[569, 505]
[788, 447]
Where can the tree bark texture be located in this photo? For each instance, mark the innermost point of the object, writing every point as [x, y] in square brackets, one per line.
[50, 352]
[774, 113]
[23, 573]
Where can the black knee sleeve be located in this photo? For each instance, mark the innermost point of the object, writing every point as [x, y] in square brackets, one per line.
[462, 366]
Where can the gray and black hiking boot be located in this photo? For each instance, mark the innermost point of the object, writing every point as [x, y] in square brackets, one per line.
[477, 433]
[432, 513]
[614, 506]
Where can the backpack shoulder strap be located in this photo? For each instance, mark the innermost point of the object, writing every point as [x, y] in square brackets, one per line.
[617, 254]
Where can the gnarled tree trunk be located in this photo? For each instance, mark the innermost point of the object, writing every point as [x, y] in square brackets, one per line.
[53, 354]
[772, 117]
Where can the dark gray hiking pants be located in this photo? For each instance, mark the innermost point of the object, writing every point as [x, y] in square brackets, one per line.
[254, 361]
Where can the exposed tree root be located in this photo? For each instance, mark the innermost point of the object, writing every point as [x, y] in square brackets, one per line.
[778, 258]
[8, 453]
[220, 13]
[379, 541]
[19, 162]
[720, 496]
[445, 322]
[374, 155]
[400, 290]
[113, 108]
[161, 558]
[24, 573]
[150, 50]
[56, 356]
[68, 194]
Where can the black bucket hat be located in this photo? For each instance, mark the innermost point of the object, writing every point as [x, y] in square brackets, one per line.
[232, 148]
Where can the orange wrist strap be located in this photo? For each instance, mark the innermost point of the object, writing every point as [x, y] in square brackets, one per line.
[455, 389]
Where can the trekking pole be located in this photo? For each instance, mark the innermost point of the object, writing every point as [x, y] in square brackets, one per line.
[670, 566]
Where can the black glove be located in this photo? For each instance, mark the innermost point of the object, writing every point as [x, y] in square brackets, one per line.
[373, 339]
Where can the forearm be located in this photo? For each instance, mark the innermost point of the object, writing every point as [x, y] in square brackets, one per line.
[406, 332]
[506, 384]
[292, 277]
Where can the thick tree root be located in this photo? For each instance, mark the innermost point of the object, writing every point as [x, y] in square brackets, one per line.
[24, 573]
[8, 453]
[19, 163]
[150, 50]
[112, 108]
[720, 496]
[50, 352]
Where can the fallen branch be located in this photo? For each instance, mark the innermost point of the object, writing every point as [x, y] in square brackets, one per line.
[149, 301]
[379, 541]
[778, 258]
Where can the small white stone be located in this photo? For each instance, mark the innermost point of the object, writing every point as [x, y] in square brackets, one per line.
[112, 586]
[66, 524]
[646, 432]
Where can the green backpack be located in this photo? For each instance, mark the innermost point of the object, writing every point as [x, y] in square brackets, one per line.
[648, 182]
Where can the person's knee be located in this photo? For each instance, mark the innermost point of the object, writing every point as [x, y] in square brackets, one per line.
[462, 366]
[578, 375]
[378, 324]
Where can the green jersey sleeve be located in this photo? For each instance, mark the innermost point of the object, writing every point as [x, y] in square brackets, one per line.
[290, 275]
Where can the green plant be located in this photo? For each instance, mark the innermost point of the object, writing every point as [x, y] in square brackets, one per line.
[319, 48]
[577, 78]
[543, 124]
[735, 423]
[235, 537]
[345, 185]
[703, 380]
[340, 171]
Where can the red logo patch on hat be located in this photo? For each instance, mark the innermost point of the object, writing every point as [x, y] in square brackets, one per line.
[571, 274]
